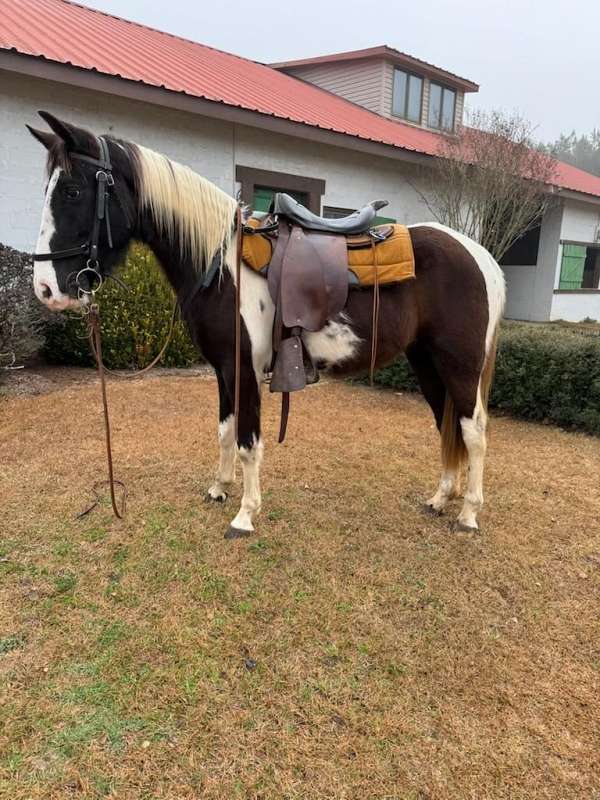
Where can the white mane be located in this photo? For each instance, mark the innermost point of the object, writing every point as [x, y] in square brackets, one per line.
[185, 206]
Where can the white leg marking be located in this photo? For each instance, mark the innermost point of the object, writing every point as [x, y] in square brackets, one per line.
[449, 487]
[333, 344]
[226, 471]
[44, 274]
[492, 275]
[251, 500]
[473, 431]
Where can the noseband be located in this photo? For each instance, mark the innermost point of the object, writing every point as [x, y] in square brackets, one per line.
[104, 182]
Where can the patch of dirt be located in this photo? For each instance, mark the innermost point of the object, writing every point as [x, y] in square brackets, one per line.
[354, 649]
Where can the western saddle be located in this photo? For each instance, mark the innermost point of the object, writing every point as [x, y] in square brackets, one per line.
[306, 260]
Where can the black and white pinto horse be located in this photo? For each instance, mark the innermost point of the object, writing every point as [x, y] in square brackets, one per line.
[446, 320]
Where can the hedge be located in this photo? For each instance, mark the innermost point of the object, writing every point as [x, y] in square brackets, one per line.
[544, 372]
[135, 323]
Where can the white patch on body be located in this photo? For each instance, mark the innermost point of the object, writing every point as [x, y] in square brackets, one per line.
[44, 274]
[333, 345]
[258, 313]
[492, 275]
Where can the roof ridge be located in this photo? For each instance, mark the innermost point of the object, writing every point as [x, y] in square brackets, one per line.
[162, 33]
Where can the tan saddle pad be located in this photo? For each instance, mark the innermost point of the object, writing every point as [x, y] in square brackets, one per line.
[393, 257]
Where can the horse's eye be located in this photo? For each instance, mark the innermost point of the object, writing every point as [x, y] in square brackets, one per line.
[72, 192]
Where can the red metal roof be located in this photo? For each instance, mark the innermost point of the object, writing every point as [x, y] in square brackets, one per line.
[66, 32]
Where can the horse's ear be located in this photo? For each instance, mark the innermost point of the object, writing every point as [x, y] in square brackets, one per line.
[76, 139]
[47, 139]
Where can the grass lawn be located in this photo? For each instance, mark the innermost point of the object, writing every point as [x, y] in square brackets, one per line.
[355, 649]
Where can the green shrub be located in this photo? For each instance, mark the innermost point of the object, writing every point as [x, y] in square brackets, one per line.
[543, 372]
[135, 323]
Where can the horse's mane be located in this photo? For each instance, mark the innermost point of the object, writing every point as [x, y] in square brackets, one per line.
[189, 210]
[194, 214]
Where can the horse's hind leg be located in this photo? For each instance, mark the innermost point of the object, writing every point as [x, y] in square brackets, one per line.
[434, 392]
[464, 431]
[226, 470]
[474, 437]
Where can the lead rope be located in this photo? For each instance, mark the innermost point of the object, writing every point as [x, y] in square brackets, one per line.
[375, 329]
[238, 319]
[96, 341]
[95, 337]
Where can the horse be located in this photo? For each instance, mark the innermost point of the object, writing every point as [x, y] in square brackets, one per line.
[445, 320]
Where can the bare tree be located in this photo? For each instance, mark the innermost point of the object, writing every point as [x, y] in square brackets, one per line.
[491, 182]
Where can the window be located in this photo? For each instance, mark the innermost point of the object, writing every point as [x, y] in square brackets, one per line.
[580, 266]
[523, 252]
[442, 103]
[334, 212]
[259, 185]
[407, 95]
[263, 195]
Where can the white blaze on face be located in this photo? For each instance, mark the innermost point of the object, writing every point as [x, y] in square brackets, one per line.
[45, 283]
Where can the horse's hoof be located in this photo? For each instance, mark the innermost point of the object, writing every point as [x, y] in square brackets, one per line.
[460, 526]
[237, 533]
[432, 511]
[218, 498]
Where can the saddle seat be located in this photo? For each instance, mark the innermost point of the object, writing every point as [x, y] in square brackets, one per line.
[357, 222]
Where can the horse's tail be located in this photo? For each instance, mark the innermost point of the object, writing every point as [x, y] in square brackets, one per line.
[454, 452]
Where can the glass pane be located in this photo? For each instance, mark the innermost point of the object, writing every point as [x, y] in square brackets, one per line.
[448, 109]
[415, 89]
[399, 98]
[435, 105]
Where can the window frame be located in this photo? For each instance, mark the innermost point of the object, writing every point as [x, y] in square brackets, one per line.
[251, 178]
[581, 289]
[404, 115]
[439, 127]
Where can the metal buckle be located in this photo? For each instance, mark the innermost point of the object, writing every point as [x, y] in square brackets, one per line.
[91, 266]
[103, 174]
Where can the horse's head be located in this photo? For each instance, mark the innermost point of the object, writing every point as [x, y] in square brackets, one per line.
[89, 213]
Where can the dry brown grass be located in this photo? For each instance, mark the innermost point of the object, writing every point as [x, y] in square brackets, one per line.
[395, 658]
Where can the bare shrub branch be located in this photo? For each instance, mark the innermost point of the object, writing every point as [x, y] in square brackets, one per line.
[492, 182]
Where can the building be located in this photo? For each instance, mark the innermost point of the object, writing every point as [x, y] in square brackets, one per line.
[335, 131]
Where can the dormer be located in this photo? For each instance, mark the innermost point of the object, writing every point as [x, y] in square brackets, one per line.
[390, 83]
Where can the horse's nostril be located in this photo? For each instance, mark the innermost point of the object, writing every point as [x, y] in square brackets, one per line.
[46, 291]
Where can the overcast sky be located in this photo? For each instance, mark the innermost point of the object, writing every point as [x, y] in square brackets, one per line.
[541, 57]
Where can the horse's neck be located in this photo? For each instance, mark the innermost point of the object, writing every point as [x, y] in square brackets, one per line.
[180, 271]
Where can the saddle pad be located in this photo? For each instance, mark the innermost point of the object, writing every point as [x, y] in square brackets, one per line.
[256, 248]
[394, 255]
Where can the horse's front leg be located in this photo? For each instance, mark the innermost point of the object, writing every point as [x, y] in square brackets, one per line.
[250, 450]
[226, 470]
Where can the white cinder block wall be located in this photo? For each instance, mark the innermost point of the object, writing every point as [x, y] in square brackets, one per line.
[210, 147]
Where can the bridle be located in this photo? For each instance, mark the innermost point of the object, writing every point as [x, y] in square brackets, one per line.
[104, 183]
